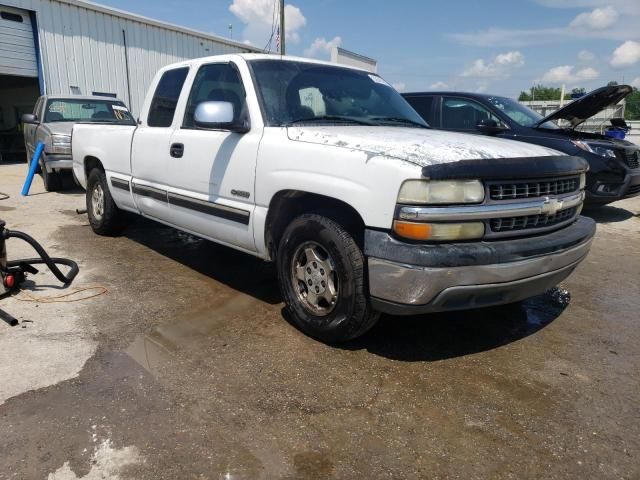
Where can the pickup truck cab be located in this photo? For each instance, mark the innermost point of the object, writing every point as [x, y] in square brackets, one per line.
[51, 123]
[327, 171]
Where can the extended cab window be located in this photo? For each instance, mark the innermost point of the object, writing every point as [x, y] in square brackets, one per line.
[464, 114]
[216, 82]
[165, 98]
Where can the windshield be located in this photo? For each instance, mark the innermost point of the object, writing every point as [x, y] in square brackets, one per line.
[519, 113]
[79, 110]
[299, 92]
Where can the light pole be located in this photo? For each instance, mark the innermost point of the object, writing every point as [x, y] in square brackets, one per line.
[282, 35]
[231, 31]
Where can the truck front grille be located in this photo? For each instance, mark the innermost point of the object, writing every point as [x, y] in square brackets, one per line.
[632, 159]
[518, 189]
[510, 224]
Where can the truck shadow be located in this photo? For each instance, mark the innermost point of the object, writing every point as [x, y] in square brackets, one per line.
[607, 214]
[440, 336]
[417, 338]
[237, 270]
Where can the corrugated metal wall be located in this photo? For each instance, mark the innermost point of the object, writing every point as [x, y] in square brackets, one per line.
[84, 48]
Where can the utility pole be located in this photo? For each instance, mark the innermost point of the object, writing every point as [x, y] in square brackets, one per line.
[282, 35]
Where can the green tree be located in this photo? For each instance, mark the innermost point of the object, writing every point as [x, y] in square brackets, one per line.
[632, 109]
[540, 92]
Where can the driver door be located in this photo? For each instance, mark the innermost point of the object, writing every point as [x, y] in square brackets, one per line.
[212, 172]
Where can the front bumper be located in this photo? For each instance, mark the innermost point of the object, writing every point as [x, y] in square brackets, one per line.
[57, 162]
[420, 278]
[606, 190]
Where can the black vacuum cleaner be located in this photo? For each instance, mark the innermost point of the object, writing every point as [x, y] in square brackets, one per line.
[13, 273]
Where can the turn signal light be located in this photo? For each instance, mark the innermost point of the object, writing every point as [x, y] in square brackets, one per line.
[412, 231]
[439, 231]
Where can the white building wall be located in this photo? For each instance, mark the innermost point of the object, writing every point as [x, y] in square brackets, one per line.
[82, 45]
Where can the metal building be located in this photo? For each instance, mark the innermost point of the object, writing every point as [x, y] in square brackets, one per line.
[79, 47]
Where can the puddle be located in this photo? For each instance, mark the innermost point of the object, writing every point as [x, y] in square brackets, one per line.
[154, 350]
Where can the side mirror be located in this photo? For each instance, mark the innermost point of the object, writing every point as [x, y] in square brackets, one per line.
[218, 116]
[489, 126]
[30, 118]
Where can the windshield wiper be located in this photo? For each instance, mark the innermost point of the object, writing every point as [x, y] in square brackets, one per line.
[406, 121]
[329, 118]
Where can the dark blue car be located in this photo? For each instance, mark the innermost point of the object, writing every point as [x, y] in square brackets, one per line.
[614, 163]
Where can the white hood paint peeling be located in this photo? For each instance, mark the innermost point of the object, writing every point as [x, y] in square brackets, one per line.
[421, 147]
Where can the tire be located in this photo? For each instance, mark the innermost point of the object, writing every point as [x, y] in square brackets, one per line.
[52, 181]
[315, 249]
[105, 217]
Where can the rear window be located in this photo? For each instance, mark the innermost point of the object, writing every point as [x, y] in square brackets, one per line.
[165, 99]
[79, 110]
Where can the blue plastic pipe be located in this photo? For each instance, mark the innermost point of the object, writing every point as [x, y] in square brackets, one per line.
[32, 169]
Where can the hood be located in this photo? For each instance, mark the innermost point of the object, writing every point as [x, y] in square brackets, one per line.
[586, 107]
[421, 147]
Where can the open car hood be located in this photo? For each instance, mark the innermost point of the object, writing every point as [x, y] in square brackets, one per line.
[586, 107]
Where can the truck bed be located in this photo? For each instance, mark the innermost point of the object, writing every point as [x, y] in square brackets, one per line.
[112, 142]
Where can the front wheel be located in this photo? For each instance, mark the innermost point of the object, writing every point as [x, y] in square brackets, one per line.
[52, 180]
[321, 271]
[104, 216]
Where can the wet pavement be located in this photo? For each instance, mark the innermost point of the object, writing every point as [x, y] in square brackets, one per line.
[190, 370]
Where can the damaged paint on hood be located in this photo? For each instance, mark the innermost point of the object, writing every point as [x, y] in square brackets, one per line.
[421, 147]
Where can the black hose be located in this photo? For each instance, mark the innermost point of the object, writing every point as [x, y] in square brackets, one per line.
[44, 258]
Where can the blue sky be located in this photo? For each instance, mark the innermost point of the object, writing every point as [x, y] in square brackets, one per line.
[496, 46]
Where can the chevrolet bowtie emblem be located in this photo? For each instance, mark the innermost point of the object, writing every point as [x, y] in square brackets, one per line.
[551, 206]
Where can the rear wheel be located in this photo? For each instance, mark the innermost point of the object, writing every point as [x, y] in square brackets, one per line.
[104, 216]
[321, 271]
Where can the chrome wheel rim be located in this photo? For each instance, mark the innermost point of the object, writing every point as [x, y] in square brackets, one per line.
[97, 202]
[314, 278]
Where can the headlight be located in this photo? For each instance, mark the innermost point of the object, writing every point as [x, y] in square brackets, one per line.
[595, 148]
[439, 231]
[583, 181]
[61, 144]
[437, 192]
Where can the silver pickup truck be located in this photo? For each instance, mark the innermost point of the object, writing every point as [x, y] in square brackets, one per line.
[53, 119]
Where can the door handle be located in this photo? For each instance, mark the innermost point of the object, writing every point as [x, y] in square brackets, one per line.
[177, 150]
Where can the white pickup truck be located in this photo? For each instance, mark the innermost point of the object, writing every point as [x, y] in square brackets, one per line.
[328, 172]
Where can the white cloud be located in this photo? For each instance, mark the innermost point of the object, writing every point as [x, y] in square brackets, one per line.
[586, 56]
[322, 46]
[510, 58]
[400, 86]
[258, 17]
[294, 20]
[597, 19]
[569, 74]
[609, 20]
[626, 54]
[498, 67]
[438, 86]
[635, 82]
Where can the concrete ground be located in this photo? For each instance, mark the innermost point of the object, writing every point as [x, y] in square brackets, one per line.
[186, 369]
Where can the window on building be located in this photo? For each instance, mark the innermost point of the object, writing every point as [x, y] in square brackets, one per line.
[12, 17]
[165, 98]
[216, 82]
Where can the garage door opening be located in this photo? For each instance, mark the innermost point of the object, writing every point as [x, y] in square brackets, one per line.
[19, 86]
[18, 95]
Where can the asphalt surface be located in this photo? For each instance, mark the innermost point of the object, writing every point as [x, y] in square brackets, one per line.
[186, 368]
